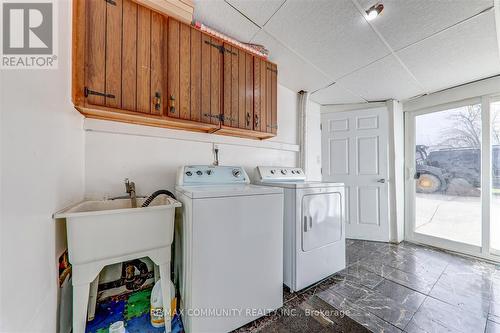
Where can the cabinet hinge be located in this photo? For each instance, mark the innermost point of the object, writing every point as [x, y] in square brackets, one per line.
[221, 48]
[272, 69]
[87, 92]
[111, 2]
[218, 47]
[320, 127]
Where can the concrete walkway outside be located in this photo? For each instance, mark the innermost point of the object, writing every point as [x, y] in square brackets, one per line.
[456, 218]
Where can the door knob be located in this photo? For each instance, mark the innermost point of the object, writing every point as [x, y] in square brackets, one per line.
[381, 180]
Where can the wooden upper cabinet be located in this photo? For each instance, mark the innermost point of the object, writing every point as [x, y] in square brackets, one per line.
[137, 65]
[195, 74]
[124, 56]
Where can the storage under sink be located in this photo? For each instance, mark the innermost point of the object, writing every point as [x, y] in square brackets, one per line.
[104, 232]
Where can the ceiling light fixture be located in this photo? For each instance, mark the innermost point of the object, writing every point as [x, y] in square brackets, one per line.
[374, 11]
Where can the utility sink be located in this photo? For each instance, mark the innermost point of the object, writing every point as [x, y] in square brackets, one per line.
[101, 229]
[104, 232]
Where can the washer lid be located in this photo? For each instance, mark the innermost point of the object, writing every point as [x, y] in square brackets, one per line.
[302, 184]
[221, 191]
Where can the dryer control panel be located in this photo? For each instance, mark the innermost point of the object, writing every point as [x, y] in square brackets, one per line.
[280, 174]
[211, 175]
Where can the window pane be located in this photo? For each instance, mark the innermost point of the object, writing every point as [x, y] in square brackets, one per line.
[448, 178]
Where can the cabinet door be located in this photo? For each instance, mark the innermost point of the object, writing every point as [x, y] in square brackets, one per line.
[265, 84]
[124, 56]
[95, 55]
[260, 96]
[274, 99]
[238, 88]
[194, 74]
[269, 101]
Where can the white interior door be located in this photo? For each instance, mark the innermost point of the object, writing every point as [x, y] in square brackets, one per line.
[354, 152]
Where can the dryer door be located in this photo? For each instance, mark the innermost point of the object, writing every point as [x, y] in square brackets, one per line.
[321, 220]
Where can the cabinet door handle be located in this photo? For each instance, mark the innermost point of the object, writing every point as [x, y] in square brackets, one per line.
[157, 101]
[305, 223]
[310, 222]
[216, 116]
[172, 104]
[256, 120]
[248, 119]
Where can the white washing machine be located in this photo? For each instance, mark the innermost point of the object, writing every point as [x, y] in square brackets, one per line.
[231, 269]
[314, 225]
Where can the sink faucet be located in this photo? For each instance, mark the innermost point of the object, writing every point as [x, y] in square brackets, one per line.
[130, 189]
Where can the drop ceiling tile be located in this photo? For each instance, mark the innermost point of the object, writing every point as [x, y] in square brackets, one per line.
[259, 11]
[332, 35]
[381, 80]
[464, 53]
[294, 73]
[335, 94]
[405, 22]
[219, 15]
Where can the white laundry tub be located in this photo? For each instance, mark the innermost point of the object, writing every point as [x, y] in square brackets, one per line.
[104, 229]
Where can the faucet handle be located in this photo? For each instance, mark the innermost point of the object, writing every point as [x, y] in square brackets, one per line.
[127, 185]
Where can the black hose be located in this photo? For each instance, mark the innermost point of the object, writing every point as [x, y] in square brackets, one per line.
[155, 194]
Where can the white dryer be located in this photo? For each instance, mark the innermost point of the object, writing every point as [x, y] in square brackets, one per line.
[314, 225]
[231, 266]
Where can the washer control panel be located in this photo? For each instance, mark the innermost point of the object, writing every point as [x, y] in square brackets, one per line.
[211, 175]
[280, 174]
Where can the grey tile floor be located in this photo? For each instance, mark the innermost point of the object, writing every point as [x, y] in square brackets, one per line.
[394, 288]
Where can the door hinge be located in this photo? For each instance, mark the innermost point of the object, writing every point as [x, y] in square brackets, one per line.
[111, 2]
[87, 92]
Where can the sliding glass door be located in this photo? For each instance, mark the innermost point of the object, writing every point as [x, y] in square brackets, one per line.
[453, 176]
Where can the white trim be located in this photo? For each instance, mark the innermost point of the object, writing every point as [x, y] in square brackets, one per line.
[488, 86]
[496, 5]
[350, 107]
[395, 172]
[485, 174]
[469, 250]
[447, 106]
[409, 175]
[105, 126]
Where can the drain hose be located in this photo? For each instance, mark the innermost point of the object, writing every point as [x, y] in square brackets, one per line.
[155, 194]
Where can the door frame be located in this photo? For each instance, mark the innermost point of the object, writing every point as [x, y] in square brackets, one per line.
[484, 250]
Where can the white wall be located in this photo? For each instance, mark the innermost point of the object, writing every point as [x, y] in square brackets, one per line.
[151, 156]
[313, 151]
[41, 172]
